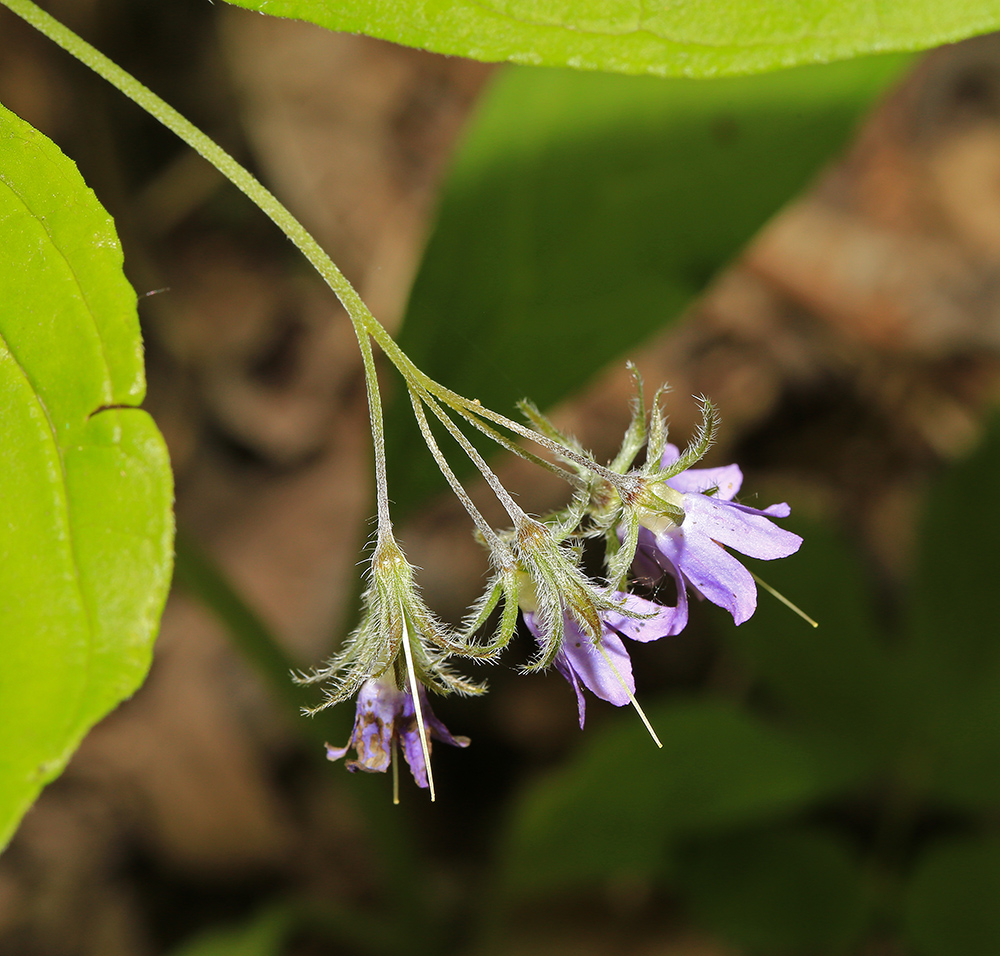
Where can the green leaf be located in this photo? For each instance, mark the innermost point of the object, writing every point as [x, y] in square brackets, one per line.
[951, 904]
[952, 662]
[585, 211]
[953, 604]
[835, 682]
[776, 891]
[961, 736]
[263, 935]
[614, 810]
[698, 38]
[86, 533]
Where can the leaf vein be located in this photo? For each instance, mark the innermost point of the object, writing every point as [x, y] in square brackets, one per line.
[108, 384]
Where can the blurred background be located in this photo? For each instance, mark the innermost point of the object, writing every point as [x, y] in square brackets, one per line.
[817, 250]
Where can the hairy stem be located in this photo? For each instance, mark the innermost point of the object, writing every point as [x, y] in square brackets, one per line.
[496, 546]
[378, 429]
[365, 324]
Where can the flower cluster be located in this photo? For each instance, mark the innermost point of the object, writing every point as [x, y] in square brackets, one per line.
[666, 521]
[665, 526]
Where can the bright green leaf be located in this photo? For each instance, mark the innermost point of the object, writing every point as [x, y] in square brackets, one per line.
[85, 485]
[951, 906]
[615, 809]
[698, 38]
[776, 891]
[585, 211]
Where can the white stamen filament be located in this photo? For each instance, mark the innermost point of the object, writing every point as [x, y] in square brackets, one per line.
[781, 597]
[417, 709]
[631, 696]
[394, 760]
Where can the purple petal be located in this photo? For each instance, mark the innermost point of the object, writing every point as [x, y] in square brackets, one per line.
[531, 620]
[597, 675]
[409, 739]
[746, 530]
[670, 454]
[781, 510]
[561, 662]
[378, 708]
[335, 753]
[666, 621]
[653, 558]
[373, 732]
[563, 667]
[414, 754]
[727, 479]
[409, 735]
[711, 570]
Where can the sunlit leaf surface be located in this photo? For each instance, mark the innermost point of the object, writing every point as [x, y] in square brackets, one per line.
[585, 211]
[694, 38]
[86, 528]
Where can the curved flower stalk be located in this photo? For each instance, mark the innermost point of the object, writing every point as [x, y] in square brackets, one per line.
[657, 519]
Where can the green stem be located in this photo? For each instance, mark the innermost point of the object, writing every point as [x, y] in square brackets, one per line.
[496, 546]
[364, 322]
[378, 430]
[361, 317]
[215, 154]
[515, 512]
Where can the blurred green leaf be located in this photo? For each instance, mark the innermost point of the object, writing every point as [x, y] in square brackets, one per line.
[953, 603]
[667, 39]
[86, 537]
[776, 891]
[834, 682]
[963, 743]
[951, 663]
[615, 808]
[952, 906]
[585, 211]
[263, 935]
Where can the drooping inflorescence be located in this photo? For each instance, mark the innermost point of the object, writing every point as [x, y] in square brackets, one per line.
[663, 520]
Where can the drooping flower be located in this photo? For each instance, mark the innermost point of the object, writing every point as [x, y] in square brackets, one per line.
[694, 551]
[386, 715]
[605, 669]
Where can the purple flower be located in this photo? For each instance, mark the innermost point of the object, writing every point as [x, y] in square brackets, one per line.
[608, 675]
[386, 715]
[694, 552]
